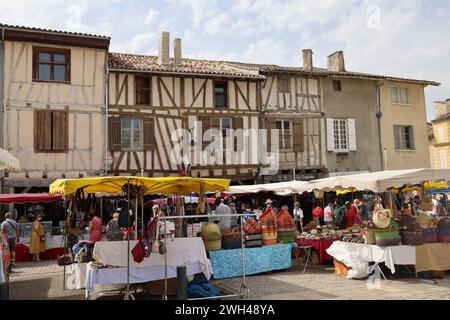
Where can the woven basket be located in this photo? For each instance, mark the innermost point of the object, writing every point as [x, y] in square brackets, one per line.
[370, 236]
[411, 238]
[387, 237]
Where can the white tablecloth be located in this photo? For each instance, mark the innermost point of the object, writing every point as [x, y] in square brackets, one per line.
[180, 251]
[50, 242]
[357, 256]
[140, 275]
[76, 276]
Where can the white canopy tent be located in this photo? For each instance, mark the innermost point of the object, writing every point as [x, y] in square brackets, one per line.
[377, 181]
[8, 161]
[279, 188]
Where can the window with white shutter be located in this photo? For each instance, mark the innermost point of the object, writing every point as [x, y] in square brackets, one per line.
[341, 135]
[404, 138]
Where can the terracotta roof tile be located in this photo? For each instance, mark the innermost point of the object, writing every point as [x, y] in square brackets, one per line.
[134, 62]
[23, 28]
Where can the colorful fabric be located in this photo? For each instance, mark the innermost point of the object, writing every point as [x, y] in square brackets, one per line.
[321, 247]
[228, 263]
[95, 233]
[318, 212]
[350, 217]
[269, 227]
[285, 222]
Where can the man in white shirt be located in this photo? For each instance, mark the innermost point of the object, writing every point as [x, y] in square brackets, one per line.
[222, 208]
[298, 217]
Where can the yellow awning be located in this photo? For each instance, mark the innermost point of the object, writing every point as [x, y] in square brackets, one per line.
[114, 184]
[342, 192]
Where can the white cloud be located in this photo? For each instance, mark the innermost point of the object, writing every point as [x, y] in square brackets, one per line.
[143, 43]
[150, 16]
[217, 24]
[267, 50]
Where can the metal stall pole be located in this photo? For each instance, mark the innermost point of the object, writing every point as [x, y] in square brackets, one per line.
[243, 286]
[165, 260]
[65, 243]
[128, 295]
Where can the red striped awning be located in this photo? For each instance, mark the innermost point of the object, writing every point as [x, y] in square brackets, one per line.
[20, 198]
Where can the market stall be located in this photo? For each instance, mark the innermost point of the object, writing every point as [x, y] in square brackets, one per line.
[392, 239]
[54, 243]
[179, 251]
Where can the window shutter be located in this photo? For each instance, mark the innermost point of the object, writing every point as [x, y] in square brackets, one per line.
[149, 134]
[42, 130]
[270, 126]
[115, 139]
[298, 135]
[411, 138]
[351, 134]
[60, 130]
[206, 125]
[330, 134]
[238, 124]
[397, 137]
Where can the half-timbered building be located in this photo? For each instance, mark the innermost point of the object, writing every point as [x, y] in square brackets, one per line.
[151, 97]
[53, 103]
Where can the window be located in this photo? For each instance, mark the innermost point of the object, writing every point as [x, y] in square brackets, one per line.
[283, 85]
[284, 128]
[132, 134]
[51, 64]
[220, 94]
[143, 90]
[443, 159]
[440, 134]
[337, 85]
[340, 135]
[404, 138]
[399, 95]
[51, 131]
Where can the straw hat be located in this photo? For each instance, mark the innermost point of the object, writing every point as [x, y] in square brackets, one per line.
[382, 218]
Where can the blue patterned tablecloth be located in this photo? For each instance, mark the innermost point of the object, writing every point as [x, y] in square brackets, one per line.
[228, 263]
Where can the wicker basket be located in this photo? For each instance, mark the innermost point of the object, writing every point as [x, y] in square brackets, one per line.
[387, 237]
[411, 238]
[370, 236]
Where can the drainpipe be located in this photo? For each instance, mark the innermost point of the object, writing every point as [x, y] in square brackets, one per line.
[379, 115]
[106, 111]
[2, 67]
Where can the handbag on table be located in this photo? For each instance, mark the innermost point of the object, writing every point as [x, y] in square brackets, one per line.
[430, 234]
[387, 237]
[231, 238]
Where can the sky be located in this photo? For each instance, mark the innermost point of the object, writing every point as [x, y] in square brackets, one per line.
[405, 38]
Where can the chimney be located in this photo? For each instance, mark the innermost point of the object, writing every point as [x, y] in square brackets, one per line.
[307, 59]
[177, 51]
[336, 61]
[164, 47]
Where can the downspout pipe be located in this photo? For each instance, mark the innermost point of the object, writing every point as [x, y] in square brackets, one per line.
[379, 115]
[106, 111]
[2, 81]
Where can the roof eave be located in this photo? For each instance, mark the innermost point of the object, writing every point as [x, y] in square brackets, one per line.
[189, 74]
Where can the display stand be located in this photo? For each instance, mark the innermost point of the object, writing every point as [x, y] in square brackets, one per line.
[244, 291]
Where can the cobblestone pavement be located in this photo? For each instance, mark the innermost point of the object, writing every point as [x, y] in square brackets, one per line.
[320, 282]
[44, 280]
